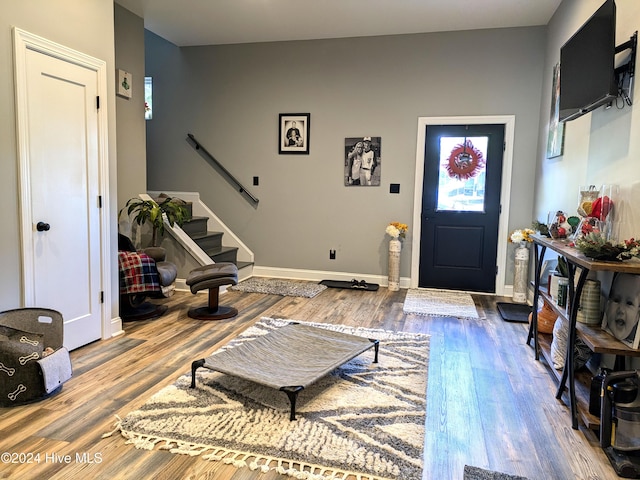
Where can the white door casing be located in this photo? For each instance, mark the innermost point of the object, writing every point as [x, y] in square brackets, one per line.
[62, 145]
[509, 133]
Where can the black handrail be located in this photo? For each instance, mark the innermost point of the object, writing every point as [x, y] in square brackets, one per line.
[221, 170]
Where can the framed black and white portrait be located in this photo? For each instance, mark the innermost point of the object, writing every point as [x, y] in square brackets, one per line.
[362, 161]
[294, 133]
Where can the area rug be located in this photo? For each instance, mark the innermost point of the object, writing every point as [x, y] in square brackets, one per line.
[276, 286]
[439, 303]
[514, 312]
[475, 473]
[362, 421]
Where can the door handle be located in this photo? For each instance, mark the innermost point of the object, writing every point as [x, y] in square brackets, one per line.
[43, 227]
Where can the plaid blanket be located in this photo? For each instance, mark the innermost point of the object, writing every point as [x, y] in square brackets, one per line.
[138, 273]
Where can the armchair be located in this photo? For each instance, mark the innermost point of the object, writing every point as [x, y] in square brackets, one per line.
[143, 274]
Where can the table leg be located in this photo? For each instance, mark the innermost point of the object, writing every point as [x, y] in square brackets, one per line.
[533, 327]
[568, 373]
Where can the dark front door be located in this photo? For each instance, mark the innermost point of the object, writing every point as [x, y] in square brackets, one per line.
[461, 207]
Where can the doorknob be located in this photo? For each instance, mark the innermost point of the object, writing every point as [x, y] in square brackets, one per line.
[43, 227]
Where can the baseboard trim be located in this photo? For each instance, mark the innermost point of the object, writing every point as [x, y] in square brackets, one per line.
[317, 275]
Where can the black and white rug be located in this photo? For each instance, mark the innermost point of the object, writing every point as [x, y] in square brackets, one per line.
[276, 286]
[475, 473]
[364, 420]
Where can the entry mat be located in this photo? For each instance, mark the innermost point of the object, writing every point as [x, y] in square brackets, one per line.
[514, 312]
[353, 284]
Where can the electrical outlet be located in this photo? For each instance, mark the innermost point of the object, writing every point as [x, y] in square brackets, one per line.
[332, 254]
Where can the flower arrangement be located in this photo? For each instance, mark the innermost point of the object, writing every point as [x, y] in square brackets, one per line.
[521, 235]
[396, 229]
[595, 245]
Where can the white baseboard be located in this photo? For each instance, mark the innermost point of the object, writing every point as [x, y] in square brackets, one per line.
[317, 275]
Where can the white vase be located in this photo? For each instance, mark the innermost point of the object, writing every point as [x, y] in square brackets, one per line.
[521, 273]
[395, 247]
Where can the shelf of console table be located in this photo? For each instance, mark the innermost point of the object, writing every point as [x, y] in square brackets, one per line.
[594, 337]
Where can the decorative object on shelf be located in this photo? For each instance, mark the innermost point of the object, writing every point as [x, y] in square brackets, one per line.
[597, 210]
[589, 308]
[153, 212]
[396, 231]
[465, 161]
[294, 133]
[622, 311]
[522, 238]
[543, 228]
[546, 318]
[559, 227]
[581, 352]
[596, 246]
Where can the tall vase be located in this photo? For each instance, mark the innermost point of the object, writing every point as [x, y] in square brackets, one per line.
[521, 273]
[395, 247]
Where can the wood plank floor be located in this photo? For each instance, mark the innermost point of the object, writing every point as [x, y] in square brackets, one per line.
[489, 403]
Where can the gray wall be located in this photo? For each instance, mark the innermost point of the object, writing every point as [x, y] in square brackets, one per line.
[131, 130]
[83, 26]
[230, 96]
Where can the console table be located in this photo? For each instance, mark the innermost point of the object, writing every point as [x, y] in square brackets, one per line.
[596, 339]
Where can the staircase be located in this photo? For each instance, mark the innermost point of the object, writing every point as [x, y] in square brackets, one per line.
[210, 242]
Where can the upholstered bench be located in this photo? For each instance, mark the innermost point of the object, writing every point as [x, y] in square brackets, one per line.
[212, 277]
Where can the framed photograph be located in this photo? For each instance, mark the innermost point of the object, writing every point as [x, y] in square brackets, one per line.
[294, 133]
[362, 161]
[555, 140]
[124, 84]
[623, 309]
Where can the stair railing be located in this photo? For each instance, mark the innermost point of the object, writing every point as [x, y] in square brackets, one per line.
[222, 171]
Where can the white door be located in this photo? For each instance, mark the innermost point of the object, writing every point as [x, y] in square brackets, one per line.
[61, 187]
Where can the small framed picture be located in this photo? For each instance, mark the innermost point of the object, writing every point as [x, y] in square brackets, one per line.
[362, 161]
[124, 84]
[622, 312]
[294, 133]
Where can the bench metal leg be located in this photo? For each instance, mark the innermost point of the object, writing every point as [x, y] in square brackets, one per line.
[194, 366]
[292, 393]
[376, 348]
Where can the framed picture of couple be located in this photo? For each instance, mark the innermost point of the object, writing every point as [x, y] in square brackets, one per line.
[294, 133]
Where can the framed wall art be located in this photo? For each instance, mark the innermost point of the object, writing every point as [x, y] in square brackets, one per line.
[362, 161]
[293, 133]
[124, 84]
[555, 142]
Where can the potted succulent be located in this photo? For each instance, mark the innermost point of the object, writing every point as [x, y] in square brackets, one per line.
[144, 211]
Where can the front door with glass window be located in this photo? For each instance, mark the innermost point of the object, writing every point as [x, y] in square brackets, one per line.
[461, 207]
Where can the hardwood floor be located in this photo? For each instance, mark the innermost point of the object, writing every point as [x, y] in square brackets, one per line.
[489, 403]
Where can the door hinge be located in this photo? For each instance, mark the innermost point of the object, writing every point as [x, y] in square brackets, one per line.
[102, 296]
[504, 146]
[98, 102]
[99, 201]
[496, 269]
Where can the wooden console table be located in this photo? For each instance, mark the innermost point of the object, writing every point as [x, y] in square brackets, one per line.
[596, 339]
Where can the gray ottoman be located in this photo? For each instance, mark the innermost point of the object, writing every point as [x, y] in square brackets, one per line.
[212, 277]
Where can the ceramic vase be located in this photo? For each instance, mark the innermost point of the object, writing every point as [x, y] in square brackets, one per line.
[521, 273]
[395, 247]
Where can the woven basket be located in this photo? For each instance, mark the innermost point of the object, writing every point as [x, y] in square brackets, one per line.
[546, 319]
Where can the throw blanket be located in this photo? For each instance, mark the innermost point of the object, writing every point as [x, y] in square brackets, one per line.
[138, 273]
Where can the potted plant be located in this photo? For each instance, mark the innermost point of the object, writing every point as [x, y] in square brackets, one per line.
[144, 211]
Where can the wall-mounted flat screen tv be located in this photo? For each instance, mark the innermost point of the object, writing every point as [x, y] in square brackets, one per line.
[587, 70]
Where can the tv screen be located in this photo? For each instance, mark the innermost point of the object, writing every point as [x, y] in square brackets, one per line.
[587, 70]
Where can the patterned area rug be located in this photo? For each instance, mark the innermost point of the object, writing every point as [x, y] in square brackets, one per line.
[363, 419]
[475, 473]
[275, 286]
[440, 303]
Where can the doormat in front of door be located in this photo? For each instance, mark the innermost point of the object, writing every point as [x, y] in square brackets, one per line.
[440, 303]
[514, 312]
